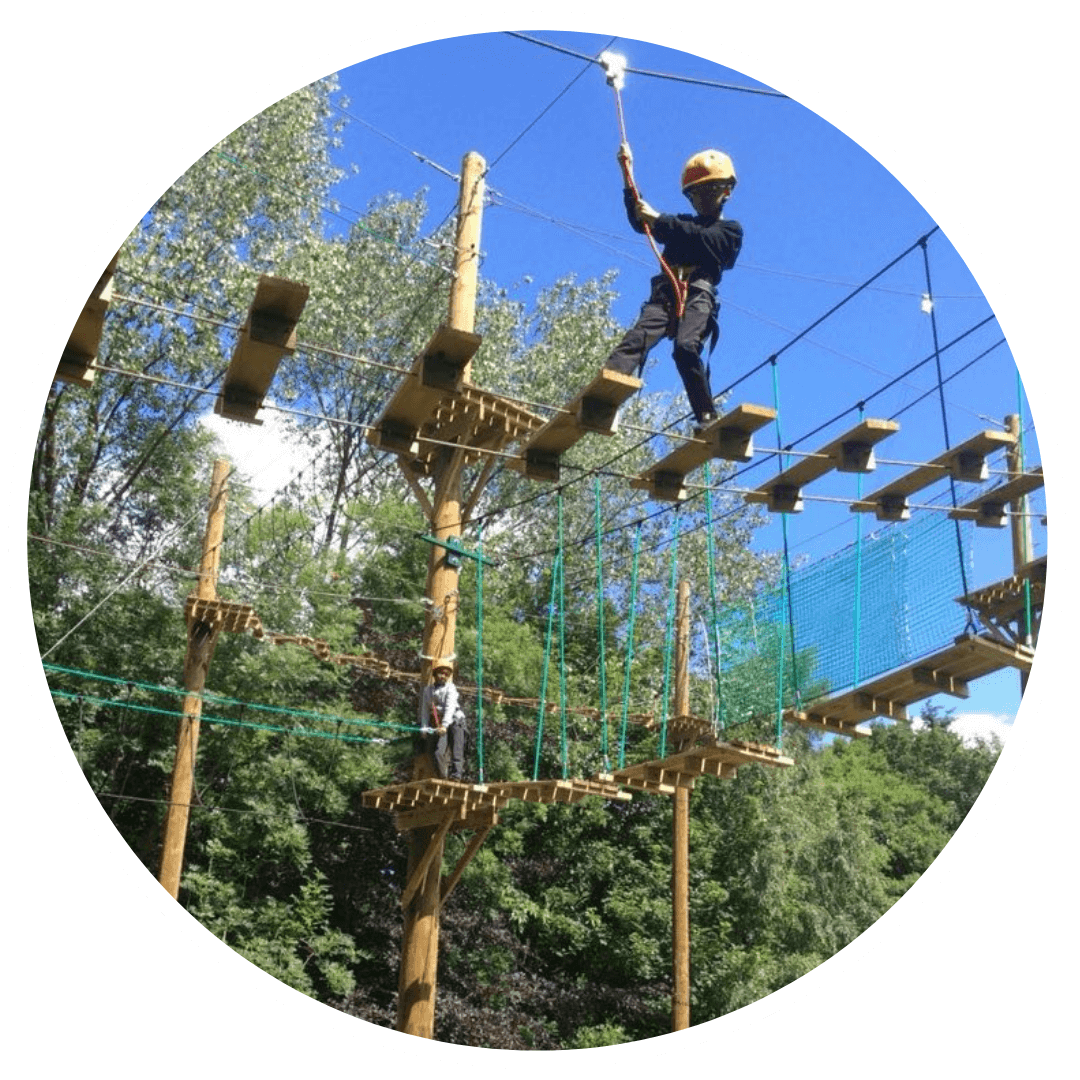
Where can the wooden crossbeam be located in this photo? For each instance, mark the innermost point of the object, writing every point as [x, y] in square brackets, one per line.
[822, 721]
[852, 452]
[268, 334]
[988, 509]
[80, 352]
[965, 462]
[730, 437]
[595, 410]
[433, 848]
[467, 856]
[941, 681]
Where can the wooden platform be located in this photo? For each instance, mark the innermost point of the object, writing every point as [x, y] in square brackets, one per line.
[988, 509]
[722, 759]
[560, 791]
[434, 405]
[965, 462]
[76, 361]
[595, 410]
[420, 803]
[730, 437]
[268, 334]
[946, 672]
[225, 615]
[852, 452]
[1003, 606]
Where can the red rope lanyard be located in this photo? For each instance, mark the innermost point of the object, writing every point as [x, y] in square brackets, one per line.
[679, 287]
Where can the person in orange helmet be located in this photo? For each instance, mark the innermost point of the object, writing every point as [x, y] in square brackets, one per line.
[698, 248]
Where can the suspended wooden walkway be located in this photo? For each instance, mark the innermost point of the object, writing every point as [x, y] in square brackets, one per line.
[730, 437]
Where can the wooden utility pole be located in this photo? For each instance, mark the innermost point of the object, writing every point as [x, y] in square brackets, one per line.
[1020, 524]
[202, 637]
[680, 831]
[420, 943]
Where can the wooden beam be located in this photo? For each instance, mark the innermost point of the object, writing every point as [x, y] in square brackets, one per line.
[730, 437]
[433, 848]
[988, 509]
[76, 361]
[595, 409]
[965, 462]
[450, 882]
[941, 680]
[852, 452]
[268, 334]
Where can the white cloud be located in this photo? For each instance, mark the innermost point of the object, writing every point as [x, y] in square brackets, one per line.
[264, 456]
[977, 727]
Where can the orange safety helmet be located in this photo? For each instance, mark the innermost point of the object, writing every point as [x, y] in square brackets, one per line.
[708, 165]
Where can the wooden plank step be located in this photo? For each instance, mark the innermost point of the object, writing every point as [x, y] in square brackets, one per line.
[437, 373]
[988, 509]
[852, 452]
[965, 462]
[268, 334]
[595, 410]
[1007, 599]
[730, 437]
[76, 361]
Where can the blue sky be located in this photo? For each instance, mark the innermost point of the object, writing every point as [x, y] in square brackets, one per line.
[820, 215]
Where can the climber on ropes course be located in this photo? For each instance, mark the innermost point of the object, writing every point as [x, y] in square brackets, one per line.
[442, 721]
[697, 249]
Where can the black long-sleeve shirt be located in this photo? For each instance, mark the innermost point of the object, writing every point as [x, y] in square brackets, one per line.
[710, 245]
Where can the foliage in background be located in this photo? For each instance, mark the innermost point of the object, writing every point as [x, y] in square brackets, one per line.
[559, 932]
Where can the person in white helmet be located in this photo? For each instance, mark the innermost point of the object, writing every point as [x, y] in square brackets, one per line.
[441, 715]
[698, 248]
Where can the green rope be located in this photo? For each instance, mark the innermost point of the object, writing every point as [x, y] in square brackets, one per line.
[858, 573]
[221, 699]
[480, 655]
[784, 595]
[69, 695]
[547, 663]
[562, 650]
[600, 634]
[714, 627]
[629, 646]
[1024, 553]
[669, 633]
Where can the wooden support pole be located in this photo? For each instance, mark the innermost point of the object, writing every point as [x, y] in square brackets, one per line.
[680, 837]
[202, 637]
[1020, 526]
[420, 942]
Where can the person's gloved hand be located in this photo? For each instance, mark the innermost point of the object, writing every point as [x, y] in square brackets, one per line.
[645, 213]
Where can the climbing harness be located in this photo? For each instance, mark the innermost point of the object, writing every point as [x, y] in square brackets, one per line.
[614, 67]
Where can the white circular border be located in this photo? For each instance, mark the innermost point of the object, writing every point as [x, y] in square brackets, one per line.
[919, 189]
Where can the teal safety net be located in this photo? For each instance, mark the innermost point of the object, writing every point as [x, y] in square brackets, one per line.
[846, 618]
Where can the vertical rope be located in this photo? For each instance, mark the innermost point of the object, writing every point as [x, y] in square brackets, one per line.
[970, 625]
[785, 594]
[629, 646]
[1024, 552]
[858, 571]
[600, 633]
[562, 646]
[669, 634]
[714, 629]
[547, 663]
[480, 654]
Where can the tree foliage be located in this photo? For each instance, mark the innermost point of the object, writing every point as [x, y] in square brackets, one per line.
[559, 933]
